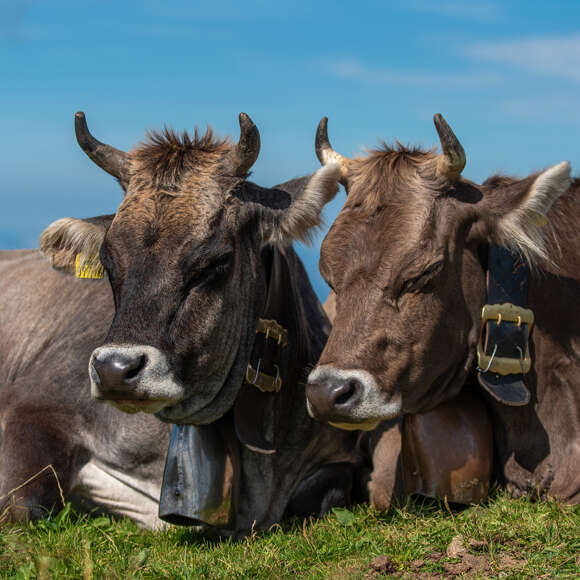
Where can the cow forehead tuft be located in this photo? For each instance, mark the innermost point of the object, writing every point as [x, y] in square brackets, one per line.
[166, 158]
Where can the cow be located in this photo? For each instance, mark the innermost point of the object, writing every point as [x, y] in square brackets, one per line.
[408, 260]
[56, 444]
[215, 323]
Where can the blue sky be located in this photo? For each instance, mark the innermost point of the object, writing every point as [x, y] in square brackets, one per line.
[505, 75]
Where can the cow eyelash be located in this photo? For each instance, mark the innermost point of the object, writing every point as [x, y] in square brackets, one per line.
[419, 281]
[214, 270]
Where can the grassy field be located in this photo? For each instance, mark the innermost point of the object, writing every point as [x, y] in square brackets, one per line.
[505, 538]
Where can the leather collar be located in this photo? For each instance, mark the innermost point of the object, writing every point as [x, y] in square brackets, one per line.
[265, 376]
[506, 325]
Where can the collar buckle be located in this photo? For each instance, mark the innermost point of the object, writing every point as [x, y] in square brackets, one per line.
[254, 376]
[272, 330]
[504, 314]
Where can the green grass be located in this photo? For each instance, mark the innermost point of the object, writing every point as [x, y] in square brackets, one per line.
[505, 538]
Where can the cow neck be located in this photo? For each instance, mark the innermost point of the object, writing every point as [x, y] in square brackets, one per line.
[503, 348]
[267, 371]
[202, 471]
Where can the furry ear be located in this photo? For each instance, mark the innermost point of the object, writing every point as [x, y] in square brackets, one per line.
[303, 215]
[73, 245]
[521, 209]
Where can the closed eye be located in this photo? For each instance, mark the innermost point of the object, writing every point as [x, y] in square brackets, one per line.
[418, 282]
[215, 271]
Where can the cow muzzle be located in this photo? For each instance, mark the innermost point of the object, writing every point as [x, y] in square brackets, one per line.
[133, 378]
[348, 398]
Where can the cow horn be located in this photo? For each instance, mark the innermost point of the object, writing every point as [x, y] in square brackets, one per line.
[112, 160]
[247, 149]
[452, 161]
[324, 150]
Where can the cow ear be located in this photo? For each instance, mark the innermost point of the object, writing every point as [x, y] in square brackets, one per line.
[518, 210]
[73, 245]
[298, 220]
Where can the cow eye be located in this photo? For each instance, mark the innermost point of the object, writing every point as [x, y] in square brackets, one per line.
[418, 282]
[215, 271]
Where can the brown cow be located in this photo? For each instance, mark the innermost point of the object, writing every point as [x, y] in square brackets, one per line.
[406, 258]
[196, 254]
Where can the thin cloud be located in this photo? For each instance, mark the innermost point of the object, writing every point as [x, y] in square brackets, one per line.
[563, 108]
[352, 69]
[462, 10]
[556, 56]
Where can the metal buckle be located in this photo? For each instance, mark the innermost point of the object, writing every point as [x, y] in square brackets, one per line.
[504, 365]
[262, 381]
[273, 330]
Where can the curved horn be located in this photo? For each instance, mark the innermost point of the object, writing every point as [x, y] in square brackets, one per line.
[324, 150]
[247, 149]
[112, 160]
[452, 161]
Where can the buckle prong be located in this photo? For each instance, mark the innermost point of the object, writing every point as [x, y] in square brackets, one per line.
[522, 362]
[253, 381]
[490, 361]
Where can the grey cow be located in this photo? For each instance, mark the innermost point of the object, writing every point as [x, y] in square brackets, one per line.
[51, 432]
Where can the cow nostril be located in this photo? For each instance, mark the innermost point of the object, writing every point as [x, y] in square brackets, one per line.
[136, 367]
[119, 371]
[349, 391]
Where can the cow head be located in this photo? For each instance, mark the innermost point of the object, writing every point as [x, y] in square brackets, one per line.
[403, 258]
[183, 258]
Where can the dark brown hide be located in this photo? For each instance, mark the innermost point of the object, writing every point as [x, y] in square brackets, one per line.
[184, 254]
[538, 446]
[444, 452]
[404, 258]
[103, 459]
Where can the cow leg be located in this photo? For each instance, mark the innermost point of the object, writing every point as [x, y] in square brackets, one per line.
[329, 486]
[36, 460]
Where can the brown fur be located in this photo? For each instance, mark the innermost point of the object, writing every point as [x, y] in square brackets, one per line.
[187, 262]
[167, 157]
[385, 169]
[403, 258]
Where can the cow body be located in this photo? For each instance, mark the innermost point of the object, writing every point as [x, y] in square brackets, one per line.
[407, 259]
[538, 445]
[49, 325]
[196, 255]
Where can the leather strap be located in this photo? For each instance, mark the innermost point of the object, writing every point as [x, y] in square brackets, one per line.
[507, 282]
[254, 405]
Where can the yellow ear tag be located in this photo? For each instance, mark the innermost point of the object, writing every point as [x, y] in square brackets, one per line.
[540, 219]
[88, 267]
